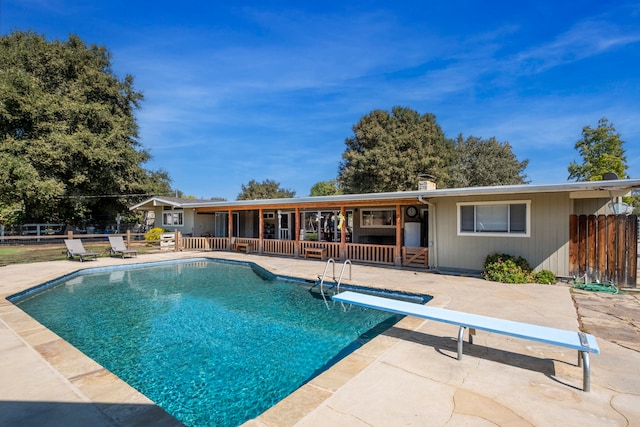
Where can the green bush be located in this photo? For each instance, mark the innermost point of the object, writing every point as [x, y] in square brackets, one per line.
[497, 257]
[505, 271]
[545, 277]
[507, 268]
[154, 233]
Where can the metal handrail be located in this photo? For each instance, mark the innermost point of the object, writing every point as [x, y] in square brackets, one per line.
[342, 273]
[324, 274]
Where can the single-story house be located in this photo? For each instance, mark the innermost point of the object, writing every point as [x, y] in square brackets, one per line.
[567, 228]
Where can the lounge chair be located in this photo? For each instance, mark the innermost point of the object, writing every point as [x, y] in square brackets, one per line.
[75, 249]
[119, 248]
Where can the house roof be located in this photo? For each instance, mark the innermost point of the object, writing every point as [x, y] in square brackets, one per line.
[577, 190]
[168, 201]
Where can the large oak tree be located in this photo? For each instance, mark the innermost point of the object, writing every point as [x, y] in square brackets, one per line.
[484, 162]
[267, 189]
[325, 188]
[69, 148]
[390, 150]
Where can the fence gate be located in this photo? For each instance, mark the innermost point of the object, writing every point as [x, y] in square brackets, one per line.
[605, 247]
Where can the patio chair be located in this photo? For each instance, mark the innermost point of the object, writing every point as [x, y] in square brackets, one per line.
[119, 248]
[75, 249]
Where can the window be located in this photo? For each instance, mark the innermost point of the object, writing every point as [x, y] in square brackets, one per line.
[494, 218]
[171, 217]
[377, 218]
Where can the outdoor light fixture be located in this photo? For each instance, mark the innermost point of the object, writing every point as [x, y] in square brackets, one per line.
[619, 208]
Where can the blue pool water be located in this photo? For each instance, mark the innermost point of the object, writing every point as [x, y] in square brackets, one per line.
[212, 343]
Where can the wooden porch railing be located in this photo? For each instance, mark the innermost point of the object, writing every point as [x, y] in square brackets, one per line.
[377, 254]
[367, 253]
[333, 249]
[205, 243]
[246, 240]
[279, 247]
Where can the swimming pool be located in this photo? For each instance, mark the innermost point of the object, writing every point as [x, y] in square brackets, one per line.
[212, 343]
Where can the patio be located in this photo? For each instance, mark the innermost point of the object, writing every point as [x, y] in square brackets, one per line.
[406, 376]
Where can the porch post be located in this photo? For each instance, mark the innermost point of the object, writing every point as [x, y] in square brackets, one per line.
[230, 232]
[295, 229]
[260, 229]
[343, 233]
[398, 236]
[278, 233]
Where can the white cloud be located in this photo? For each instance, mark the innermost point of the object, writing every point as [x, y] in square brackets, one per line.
[583, 40]
[280, 101]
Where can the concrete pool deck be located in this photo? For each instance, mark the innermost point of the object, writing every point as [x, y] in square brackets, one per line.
[409, 375]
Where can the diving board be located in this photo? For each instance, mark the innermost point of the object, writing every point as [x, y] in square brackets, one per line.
[583, 343]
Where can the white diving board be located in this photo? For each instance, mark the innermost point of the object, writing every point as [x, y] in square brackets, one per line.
[580, 341]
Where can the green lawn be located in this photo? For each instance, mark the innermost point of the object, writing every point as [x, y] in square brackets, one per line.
[37, 253]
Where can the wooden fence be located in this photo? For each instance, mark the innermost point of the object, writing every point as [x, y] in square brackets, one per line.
[604, 247]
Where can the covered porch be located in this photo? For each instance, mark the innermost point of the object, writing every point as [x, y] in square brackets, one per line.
[369, 232]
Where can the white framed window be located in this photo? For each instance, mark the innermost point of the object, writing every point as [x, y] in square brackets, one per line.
[509, 218]
[377, 218]
[173, 218]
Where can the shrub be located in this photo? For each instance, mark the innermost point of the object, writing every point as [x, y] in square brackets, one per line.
[545, 277]
[506, 269]
[154, 233]
[496, 257]
[506, 272]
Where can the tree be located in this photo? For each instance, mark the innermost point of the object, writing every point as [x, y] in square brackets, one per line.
[325, 188]
[389, 150]
[267, 189]
[69, 147]
[480, 162]
[601, 151]
[634, 200]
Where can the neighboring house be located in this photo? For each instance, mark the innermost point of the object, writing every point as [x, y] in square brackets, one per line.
[444, 229]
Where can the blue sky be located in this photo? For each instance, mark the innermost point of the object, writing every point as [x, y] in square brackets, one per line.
[236, 91]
